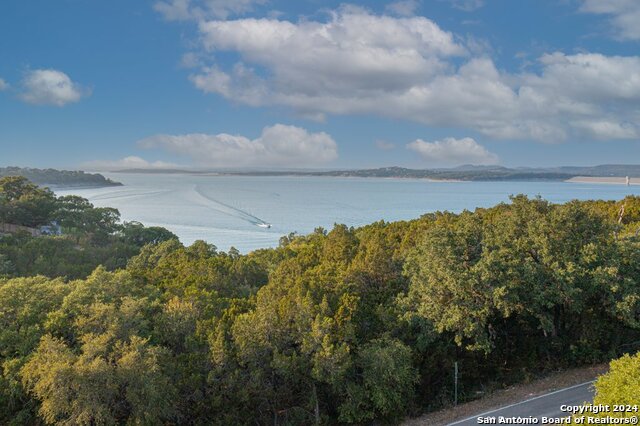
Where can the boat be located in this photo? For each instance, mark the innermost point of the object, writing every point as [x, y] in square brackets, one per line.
[264, 225]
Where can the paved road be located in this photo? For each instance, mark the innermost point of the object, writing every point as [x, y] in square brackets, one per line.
[547, 405]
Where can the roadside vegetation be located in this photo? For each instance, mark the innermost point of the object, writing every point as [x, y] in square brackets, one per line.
[620, 387]
[122, 324]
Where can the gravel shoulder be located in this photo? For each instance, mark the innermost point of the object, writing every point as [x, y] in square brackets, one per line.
[510, 395]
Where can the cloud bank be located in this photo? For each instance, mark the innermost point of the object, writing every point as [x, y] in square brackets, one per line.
[277, 146]
[624, 16]
[131, 162]
[357, 62]
[50, 87]
[453, 152]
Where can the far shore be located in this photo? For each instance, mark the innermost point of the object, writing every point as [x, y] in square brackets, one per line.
[604, 180]
[428, 179]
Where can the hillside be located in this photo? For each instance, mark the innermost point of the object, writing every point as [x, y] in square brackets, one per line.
[462, 173]
[59, 178]
[342, 326]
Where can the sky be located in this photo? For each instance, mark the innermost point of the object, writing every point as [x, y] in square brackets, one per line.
[318, 84]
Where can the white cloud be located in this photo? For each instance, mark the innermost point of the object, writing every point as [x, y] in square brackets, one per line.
[403, 7]
[175, 10]
[467, 5]
[354, 51]
[624, 15]
[244, 86]
[50, 87]
[183, 10]
[191, 60]
[453, 152]
[131, 162]
[3, 85]
[409, 68]
[604, 129]
[278, 145]
[589, 77]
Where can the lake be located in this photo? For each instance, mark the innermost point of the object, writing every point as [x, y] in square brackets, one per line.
[227, 210]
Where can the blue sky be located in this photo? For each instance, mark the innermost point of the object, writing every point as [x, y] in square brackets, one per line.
[318, 84]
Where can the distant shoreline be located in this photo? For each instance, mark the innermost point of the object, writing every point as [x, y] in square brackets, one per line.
[606, 180]
[305, 175]
[605, 174]
[499, 174]
[52, 178]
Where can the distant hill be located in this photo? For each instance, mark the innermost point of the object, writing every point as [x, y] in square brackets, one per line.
[476, 174]
[59, 178]
[464, 173]
[612, 170]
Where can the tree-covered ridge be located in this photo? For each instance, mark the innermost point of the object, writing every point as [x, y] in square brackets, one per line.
[90, 236]
[462, 173]
[60, 178]
[475, 174]
[350, 326]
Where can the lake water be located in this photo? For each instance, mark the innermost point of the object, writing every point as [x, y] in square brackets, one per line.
[226, 210]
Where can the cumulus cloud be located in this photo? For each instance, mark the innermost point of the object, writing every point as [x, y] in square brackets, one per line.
[182, 10]
[403, 7]
[353, 51]
[452, 152]
[3, 85]
[278, 145]
[131, 162]
[589, 77]
[604, 129]
[356, 62]
[242, 86]
[624, 15]
[50, 87]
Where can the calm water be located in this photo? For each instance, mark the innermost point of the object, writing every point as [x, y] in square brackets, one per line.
[225, 210]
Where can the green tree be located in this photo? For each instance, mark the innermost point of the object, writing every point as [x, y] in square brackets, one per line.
[137, 234]
[25, 304]
[384, 385]
[620, 386]
[23, 203]
[110, 382]
[447, 285]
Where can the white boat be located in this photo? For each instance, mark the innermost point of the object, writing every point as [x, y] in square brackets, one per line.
[264, 225]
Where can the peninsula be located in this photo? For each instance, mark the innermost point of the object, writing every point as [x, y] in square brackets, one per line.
[59, 178]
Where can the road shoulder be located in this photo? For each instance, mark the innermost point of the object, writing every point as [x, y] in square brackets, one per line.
[510, 395]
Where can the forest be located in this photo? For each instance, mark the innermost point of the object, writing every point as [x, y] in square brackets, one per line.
[117, 323]
[59, 178]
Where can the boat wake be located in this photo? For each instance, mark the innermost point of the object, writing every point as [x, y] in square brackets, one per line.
[228, 209]
[116, 195]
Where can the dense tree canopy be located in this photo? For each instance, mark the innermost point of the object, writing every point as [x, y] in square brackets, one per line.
[342, 326]
[620, 386]
[65, 178]
[24, 203]
[90, 236]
